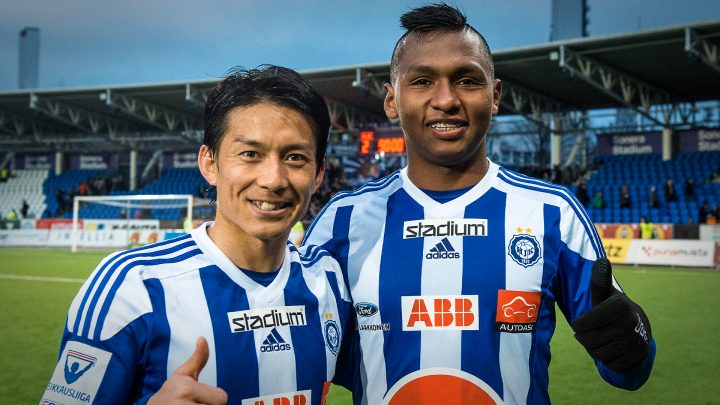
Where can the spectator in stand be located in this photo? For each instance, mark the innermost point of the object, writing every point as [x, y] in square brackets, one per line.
[703, 212]
[598, 201]
[582, 194]
[24, 209]
[625, 197]
[70, 198]
[711, 219]
[654, 200]
[60, 200]
[669, 189]
[82, 188]
[690, 189]
[4, 174]
[646, 228]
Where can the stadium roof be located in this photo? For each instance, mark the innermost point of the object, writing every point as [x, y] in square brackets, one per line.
[660, 73]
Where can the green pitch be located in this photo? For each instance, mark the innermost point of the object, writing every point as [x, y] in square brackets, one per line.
[682, 306]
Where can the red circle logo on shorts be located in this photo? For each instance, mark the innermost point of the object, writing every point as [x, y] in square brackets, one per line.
[441, 386]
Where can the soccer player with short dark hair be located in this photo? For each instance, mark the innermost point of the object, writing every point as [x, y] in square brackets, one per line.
[231, 312]
[454, 263]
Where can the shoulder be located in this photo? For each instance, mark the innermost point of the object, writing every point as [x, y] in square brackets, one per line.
[367, 199]
[536, 189]
[318, 264]
[372, 189]
[115, 294]
[313, 258]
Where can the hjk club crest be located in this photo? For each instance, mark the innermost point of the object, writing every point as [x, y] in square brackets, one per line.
[524, 249]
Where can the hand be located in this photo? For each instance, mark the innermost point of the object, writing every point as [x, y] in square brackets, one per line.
[615, 330]
[183, 387]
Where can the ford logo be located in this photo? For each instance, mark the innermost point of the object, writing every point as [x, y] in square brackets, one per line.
[366, 309]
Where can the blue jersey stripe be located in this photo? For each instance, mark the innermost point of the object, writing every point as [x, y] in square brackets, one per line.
[232, 349]
[483, 275]
[158, 353]
[537, 185]
[101, 274]
[305, 338]
[121, 276]
[540, 349]
[399, 256]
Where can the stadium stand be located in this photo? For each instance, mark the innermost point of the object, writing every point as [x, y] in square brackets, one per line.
[24, 185]
[59, 190]
[640, 172]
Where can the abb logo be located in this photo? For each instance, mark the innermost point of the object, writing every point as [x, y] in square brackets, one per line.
[448, 312]
[288, 398]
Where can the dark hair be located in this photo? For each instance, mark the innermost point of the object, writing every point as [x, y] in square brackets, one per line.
[433, 18]
[265, 84]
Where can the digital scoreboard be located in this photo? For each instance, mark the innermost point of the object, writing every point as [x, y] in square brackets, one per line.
[388, 141]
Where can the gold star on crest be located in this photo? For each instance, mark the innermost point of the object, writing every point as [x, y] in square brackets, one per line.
[528, 230]
[518, 229]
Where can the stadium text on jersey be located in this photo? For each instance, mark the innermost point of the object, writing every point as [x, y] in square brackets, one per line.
[241, 321]
[445, 227]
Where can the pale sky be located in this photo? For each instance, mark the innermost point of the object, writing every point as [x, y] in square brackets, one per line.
[107, 42]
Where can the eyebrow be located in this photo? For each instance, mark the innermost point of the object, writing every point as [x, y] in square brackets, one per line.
[464, 69]
[285, 148]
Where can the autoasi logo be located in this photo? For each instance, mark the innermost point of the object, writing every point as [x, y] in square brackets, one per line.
[443, 250]
[366, 309]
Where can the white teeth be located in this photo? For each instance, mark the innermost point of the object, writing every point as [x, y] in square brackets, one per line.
[267, 206]
[444, 126]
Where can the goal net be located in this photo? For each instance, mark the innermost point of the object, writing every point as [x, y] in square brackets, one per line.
[127, 221]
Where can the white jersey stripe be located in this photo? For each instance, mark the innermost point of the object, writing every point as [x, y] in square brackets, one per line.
[276, 370]
[370, 340]
[515, 348]
[188, 322]
[442, 277]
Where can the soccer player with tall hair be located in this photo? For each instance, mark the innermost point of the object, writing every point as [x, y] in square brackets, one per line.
[231, 312]
[454, 263]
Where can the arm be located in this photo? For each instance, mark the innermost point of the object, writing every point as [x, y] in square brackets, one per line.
[603, 318]
[90, 371]
[616, 332]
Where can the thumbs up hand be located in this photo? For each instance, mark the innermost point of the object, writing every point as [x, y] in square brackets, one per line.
[615, 330]
[183, 387]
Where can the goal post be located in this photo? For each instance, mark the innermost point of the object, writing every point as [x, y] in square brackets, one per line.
[128, 203]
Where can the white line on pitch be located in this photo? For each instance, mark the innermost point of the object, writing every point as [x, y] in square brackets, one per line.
[36, 278]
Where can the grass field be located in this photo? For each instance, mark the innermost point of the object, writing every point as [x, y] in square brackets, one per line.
[681, 304]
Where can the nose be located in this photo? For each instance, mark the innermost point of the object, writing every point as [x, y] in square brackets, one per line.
[273, 175]
[445, 97]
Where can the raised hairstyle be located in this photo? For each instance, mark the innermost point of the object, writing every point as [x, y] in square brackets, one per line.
[265, 84]
[433, 18]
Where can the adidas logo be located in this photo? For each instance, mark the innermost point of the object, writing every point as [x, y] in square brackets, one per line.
[443, 250]
[274, 342]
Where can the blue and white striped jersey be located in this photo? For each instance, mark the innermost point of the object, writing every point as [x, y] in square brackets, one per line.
[455, 301]
[137, 317]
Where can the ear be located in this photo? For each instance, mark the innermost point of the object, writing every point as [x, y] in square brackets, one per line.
[319, 177]
[497, 93]
[207, 166]
[391, 109]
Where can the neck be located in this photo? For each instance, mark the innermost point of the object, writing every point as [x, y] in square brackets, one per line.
[248, 253]
[442, 178]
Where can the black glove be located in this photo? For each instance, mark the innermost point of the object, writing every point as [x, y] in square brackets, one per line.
[615, 330]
